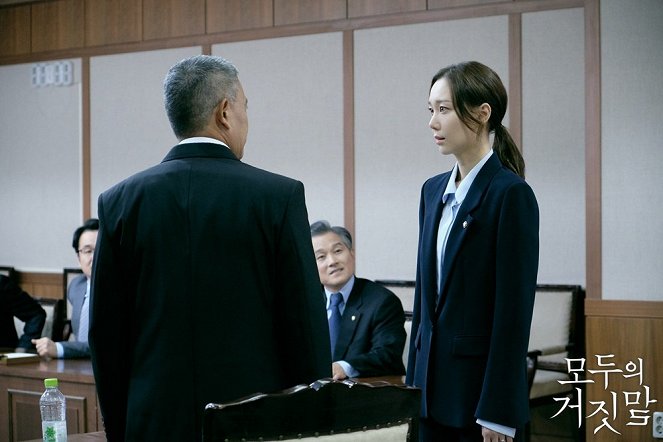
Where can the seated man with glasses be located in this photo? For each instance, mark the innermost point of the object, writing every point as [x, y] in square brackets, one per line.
[78, 294]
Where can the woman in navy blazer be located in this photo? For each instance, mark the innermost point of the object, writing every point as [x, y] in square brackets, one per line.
[476, 268]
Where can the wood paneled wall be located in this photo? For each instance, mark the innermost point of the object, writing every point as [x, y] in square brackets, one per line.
[42, 285]
[69, 24]
[15, 30]
[629, 330]
[61, 28]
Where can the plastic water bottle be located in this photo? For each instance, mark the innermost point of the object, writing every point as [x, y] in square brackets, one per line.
[53, 408]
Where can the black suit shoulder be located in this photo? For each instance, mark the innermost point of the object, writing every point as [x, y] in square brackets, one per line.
[15, 302]
[373, 293]
[374, 345]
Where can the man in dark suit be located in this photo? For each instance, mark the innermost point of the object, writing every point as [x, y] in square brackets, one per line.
[16, 302]
[78, 294]
[204, 286]
[366, 320]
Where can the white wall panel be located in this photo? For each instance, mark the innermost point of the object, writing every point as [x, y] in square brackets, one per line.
[554, 138]
[129, 127]
[632, 155]
[295, 90]
[394, 150]
[40, 170]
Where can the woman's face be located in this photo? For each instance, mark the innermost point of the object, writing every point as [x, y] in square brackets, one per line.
[449, 132]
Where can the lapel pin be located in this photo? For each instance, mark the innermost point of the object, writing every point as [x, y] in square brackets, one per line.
[353, 318]
[464, 224]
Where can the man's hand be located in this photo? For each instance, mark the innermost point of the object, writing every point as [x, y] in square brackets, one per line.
[45, 347]
[337, 372]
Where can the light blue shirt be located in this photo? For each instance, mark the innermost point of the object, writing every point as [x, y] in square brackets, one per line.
[452, 198]
[345, 292]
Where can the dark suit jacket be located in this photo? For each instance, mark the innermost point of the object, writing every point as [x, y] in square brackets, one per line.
[470, 344]
[372, 335]
[15, 302]
[76, 295]
[204, 289]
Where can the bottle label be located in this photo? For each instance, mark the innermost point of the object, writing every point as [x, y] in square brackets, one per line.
[54, 431]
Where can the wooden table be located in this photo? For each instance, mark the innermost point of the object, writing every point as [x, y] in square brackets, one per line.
[22, 385]
[393, 380]
[97, 436]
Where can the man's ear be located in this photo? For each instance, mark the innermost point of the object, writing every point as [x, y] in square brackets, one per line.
[221, 114]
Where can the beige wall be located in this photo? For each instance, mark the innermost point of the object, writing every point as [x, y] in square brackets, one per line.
[631, 134]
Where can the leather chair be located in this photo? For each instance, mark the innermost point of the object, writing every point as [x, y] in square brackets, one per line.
[68, 274]
[326, 409]
[557, 333]
[9, 272]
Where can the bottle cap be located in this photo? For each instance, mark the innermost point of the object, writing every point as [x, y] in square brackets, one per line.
[50, 382]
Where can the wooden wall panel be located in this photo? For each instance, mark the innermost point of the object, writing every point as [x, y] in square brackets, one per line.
[15, 31]
[173, 18]
[42, 285]
[363, 8]
[288, 12]
[58, 25]
[233, 15]
[628, 339]
[119, 21]
[439, 4]
[593, 153]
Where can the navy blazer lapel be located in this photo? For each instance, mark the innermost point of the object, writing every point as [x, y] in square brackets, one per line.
[433, 203]
[464, 219]
[349, 320]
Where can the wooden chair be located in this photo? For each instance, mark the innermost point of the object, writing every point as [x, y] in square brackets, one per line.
[326, 409]
[404, 290]
[55, 318]
[9, 272]
[55, 311]
[557, 333]
[68, 275]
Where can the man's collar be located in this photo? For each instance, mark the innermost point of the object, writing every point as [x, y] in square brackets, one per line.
[202, 140]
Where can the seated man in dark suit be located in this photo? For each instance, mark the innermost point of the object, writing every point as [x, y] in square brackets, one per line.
[16, 302]
[366, 322]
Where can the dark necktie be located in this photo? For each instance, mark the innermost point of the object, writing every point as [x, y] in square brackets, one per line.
[334, 319]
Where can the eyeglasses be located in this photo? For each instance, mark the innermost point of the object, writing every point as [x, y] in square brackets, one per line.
[86, 252]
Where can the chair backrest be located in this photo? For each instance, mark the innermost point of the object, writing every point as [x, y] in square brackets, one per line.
[327, 410]
[403, 289]
[55, 317]
[8, 272]
[558, 320]
[68, 275]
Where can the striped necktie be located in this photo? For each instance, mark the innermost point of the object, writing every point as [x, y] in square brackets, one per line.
[84, 324]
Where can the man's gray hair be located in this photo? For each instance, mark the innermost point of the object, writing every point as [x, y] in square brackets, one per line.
[193, 88]
[321, 227]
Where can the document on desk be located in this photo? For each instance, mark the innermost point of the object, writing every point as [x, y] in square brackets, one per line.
[18, 358]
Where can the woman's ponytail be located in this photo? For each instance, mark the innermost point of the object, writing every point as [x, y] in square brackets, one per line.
[507, 151]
